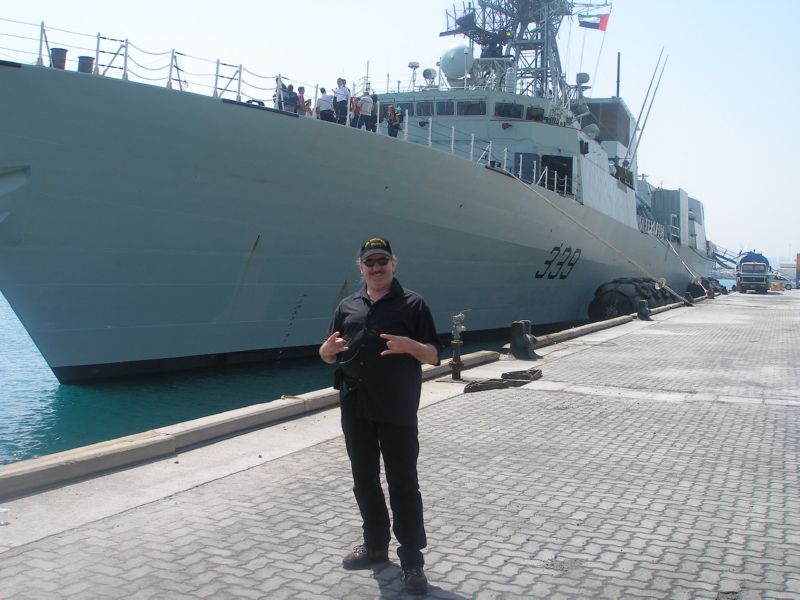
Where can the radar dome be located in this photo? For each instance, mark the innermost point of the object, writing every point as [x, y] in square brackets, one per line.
[582, 78]
[456, 61]
[429, 75]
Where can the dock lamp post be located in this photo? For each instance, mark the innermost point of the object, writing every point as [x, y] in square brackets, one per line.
[455, 363]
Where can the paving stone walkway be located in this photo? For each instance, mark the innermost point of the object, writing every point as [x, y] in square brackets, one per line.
[660, 462]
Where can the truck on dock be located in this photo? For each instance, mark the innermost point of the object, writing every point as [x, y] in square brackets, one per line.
[752, 273]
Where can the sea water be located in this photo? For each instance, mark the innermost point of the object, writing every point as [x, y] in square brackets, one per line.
[39, 416]
[727, 283]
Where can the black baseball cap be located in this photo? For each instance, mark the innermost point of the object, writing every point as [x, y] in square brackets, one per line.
[375, 245]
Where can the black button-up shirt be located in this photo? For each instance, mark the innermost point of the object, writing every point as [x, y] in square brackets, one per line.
[382, 388]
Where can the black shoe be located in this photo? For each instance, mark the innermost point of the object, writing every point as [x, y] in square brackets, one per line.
[362, 558]
[414, 580]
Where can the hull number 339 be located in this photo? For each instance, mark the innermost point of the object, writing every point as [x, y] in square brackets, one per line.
[560, 263]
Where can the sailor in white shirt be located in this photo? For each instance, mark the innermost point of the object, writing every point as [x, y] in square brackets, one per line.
[341, 95]
[365, 106]
[325, 106]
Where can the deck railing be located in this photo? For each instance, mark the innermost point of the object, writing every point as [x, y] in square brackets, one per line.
[106, 56]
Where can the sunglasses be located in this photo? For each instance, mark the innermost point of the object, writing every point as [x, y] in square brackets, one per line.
[371, 262]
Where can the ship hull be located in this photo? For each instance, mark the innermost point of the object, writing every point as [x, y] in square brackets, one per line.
[145, 229]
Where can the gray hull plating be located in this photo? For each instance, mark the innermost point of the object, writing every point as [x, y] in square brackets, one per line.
[141, 224]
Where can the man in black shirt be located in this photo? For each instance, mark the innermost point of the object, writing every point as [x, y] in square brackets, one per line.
[382, 335]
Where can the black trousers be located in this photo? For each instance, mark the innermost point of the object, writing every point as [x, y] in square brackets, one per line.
[366, 441]
[340, 107]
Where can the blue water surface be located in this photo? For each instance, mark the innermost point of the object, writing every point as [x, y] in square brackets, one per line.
[39, 416]
[727, 283]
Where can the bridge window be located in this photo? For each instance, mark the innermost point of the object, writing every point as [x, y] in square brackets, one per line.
[508, 110]
[445, 108]
[424, 109]
[472, 107]
[405, 106]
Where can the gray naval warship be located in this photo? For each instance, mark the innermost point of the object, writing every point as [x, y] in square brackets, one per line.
[147, 228]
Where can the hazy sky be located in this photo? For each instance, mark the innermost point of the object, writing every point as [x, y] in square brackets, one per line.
[722, 126]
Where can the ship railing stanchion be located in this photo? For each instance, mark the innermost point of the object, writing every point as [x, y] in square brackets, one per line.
[452, 139]
[430, 131]
[229, 82]
[179, 72]
[171, 64]
[489, 153]
[505, 158]
[39, 60]
[519, 174]
[216, 79]
[239, 88]
[471, 146]
[316, 94]
[96, 69]
[405, 122]
[544, 176]
[125, 61]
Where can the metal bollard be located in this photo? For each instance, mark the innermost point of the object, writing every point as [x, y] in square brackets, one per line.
[522, 341]
[643, 312]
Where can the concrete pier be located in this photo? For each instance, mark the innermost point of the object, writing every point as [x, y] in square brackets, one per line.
[656, 459]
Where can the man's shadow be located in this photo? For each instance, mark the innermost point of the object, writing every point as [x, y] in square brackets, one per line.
[388, 579]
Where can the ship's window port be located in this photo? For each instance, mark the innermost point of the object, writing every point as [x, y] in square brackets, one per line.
[471, 108]
[508, 110]
[449, 108]
[424, 109]
[445, 108]
[402, 107]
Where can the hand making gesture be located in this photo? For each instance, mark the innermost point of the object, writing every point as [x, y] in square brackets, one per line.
[332, 346]
[400, 344]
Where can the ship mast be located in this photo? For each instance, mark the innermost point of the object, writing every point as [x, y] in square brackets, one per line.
[522, 36]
